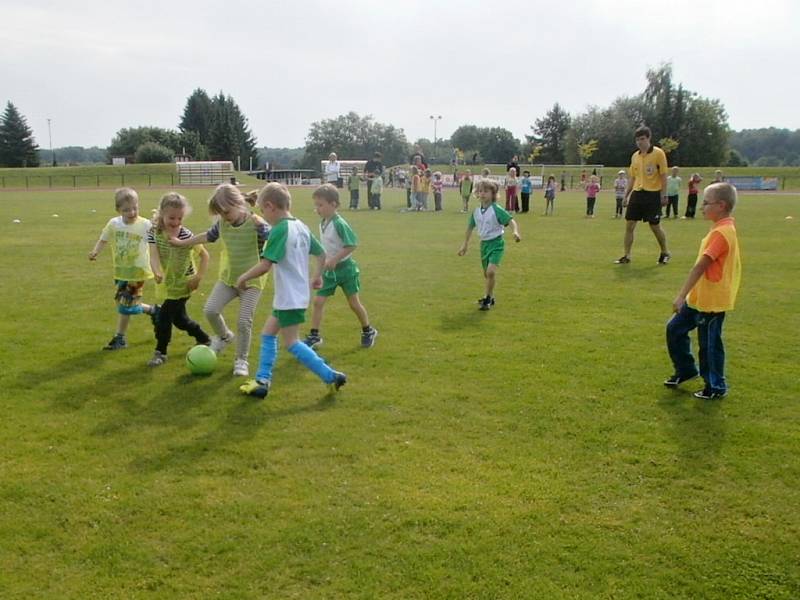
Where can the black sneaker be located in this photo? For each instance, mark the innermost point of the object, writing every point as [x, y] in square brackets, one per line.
[338, 381]
[706, 394]
[664, 257]
[368, 337]
[676, 380]
[622, 260]
[118, 342]
[313, 340]
[485, 304]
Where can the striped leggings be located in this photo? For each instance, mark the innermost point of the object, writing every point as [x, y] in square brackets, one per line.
[220, 296]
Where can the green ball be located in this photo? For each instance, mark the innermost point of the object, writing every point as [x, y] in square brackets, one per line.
[201, 360]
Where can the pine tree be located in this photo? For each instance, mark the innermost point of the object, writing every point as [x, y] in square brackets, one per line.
[197, 115]
[17, 146]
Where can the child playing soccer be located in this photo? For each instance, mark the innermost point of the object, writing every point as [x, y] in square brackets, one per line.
[550, 195]
[175, 274]
[465, 189]
[341, 270]
[352, 184]
[708, 293]
[127, 235]
[490, 219]
[242, 235]
[287, 250]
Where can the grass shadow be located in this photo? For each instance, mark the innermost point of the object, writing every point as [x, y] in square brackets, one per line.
[698, 426]
[456, 321]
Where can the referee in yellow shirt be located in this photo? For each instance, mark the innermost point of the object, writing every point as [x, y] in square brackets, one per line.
[646, 194]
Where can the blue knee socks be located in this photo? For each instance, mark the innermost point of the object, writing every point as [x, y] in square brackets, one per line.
[312, 361]
[266, 358]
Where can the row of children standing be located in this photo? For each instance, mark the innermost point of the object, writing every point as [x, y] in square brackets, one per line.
[167, 251]
[468, 185]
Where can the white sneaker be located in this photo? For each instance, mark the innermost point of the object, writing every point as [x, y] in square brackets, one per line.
[219, 344]
[241, 368]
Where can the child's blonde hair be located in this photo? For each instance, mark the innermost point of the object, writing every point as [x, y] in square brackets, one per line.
[228, 196]
[722, 192]
[488, 184]
[328, 193]
[125, 195]
[485, 172]
[276, 194]
[169, 200]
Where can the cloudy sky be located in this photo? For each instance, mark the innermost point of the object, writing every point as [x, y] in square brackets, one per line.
[94, 67]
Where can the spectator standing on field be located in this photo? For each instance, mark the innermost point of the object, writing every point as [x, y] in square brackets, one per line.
[332, 175]
[673, 191]
[371, 169]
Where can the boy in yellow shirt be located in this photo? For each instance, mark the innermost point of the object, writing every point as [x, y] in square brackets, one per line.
[708, 293]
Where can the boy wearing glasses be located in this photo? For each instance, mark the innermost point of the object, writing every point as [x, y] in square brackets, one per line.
[708, 293]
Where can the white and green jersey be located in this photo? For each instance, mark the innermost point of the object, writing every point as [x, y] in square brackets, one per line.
[288, 246]
[489, 221]
[129, 252]
[335, 234]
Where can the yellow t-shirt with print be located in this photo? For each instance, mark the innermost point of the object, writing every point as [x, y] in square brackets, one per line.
[647, 169]
[129, 252]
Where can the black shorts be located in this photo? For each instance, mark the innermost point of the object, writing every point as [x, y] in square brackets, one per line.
[644, 206]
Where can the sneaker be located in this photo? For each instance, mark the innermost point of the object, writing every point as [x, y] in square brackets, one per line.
[218, 344]
[622, 260]
[485, 304]
[118, 342]
[257, 389]
[676, 380]
[157, 360]
[313, 340]
[338, 381]
[368, 337]
[706, 394]
[241, 368]
[664, 257]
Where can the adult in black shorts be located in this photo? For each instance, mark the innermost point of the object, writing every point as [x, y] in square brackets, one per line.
[646, 194]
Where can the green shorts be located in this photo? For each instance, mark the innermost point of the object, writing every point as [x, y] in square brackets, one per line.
[287, 318]
[492, 251]
[345, 276]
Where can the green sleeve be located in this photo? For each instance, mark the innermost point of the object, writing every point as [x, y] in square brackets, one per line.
[316, 248]
[503, 217]
[275, 248]
[345, 233]
[471, 222]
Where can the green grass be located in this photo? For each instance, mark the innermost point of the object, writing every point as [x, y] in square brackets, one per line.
[526, 452]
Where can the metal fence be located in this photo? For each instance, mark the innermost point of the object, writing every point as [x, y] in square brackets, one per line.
[87, 181]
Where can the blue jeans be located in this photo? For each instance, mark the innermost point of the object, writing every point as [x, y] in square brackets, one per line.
[711, 351]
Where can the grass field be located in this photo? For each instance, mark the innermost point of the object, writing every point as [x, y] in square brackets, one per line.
[527, 452]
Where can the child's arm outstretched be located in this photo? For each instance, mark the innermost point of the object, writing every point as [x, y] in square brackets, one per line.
[694, 276]
[263, 266]
[192, 241]
[463, 250]
[202, 269]
[98, 247]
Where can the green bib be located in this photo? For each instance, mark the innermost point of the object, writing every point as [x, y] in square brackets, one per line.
[240, 252]
[175, 263]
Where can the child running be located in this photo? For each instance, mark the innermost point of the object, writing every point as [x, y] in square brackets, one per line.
[242, 234]
[490, 219]
[287, 250]
[339, 242]
[127, 235]
[175, 274]
[550, 195]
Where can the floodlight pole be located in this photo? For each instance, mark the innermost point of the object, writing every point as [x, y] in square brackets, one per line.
[435, 120]
[50, 137]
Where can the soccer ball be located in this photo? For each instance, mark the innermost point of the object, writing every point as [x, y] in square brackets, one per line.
[201, 360]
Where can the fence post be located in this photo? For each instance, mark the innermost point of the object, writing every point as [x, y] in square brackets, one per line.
[50, 181]
[98, 180]
[149, 180]
[123, 179]
[74, 181]
[172, 179]
[783, 183]
[26, 182]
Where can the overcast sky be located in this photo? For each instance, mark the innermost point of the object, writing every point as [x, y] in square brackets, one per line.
[95, 67]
